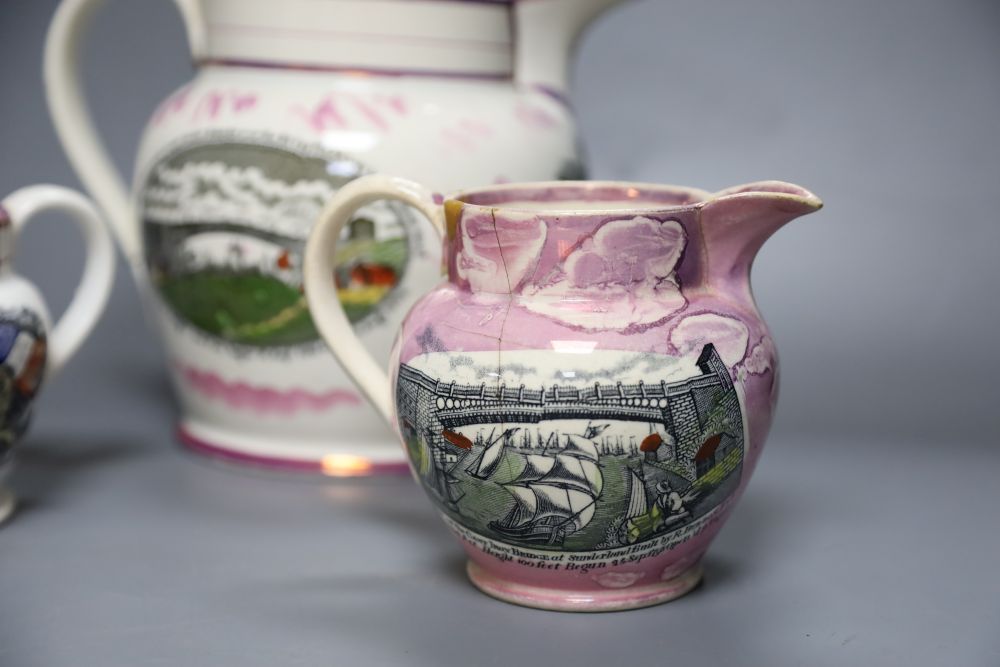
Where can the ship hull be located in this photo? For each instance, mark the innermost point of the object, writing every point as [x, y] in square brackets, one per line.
[531, 534]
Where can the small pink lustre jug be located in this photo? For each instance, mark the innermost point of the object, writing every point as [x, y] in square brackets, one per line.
[586, 396]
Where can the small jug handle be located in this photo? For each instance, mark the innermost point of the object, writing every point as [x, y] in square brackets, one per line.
[74, 125]
[91, 294]
[321, 291]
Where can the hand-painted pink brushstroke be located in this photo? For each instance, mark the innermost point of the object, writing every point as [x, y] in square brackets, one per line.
[346, 110]
[397, 103]
[209, 105]
[535, 117]
[171, 106]
[241, 395]
[324, 116]
[243, 101]
[370, 112]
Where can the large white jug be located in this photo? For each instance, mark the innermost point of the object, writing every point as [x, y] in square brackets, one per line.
[291, 100]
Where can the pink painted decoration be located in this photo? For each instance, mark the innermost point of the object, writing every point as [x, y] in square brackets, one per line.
[246, 397]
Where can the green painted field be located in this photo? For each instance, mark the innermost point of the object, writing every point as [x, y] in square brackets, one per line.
[252, 308]
[389, 252]
[246, 308]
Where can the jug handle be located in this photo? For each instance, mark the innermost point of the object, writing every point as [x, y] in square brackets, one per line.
[321, 291]
[74, 124]
[92, 293]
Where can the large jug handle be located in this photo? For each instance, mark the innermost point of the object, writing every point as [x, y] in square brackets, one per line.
[74, 125]
[321, 291]
[92, 292]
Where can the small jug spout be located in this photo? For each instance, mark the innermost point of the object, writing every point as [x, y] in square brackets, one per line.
[737, 221]
[546, 33]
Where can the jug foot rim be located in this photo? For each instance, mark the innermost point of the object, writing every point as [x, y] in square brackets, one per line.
[554, 599]
[334, 465]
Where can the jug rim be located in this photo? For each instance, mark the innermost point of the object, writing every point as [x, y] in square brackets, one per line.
[621, 197]
[625, 197]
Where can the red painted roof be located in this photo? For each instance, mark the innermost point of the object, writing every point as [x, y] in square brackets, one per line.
[457, 439]
[708, 448]
[651, 443]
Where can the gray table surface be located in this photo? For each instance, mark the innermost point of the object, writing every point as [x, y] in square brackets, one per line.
[128, 550]
[869, 534]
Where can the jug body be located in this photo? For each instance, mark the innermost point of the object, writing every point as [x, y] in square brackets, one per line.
[285, 108]
[585, 398]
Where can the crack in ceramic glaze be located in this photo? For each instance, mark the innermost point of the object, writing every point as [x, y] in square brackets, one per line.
[523, 242]
[509, 304]
[467, 331]
[461, 361]
[503, 260]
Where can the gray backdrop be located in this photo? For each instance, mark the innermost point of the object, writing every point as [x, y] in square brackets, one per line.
[868, 535]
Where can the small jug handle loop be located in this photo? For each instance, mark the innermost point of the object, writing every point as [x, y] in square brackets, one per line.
[321, 290]
[91, 294]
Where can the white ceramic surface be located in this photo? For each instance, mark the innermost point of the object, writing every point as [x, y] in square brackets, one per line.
[290, 101]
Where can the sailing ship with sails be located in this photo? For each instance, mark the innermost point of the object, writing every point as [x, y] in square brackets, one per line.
[487, 463]
[555, 492]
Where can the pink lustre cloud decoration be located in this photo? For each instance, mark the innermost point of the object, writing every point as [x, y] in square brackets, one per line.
[623, 275]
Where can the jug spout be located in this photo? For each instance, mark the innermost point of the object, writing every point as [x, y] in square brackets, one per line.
[737, 221]
[546, 33]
